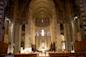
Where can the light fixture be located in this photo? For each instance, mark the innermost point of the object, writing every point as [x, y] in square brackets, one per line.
[75, 17]
[42, 20]
[42, 32]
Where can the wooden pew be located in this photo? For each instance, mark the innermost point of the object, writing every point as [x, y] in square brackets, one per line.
[80, 46]
[26, 55]
[2, 55]
[3, 48]
[67, 54]
[20, 55]
[58, 54]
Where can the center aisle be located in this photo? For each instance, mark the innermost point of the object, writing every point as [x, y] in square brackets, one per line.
[43, 56]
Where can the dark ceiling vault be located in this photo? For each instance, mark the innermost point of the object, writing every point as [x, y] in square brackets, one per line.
[18, 9]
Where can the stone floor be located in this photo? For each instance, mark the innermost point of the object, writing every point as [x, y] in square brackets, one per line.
[43, 55]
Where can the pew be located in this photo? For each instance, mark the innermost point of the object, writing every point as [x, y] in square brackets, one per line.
[3, 48]
[67, 54]
[80, 46]
[19, 55]
[26, 55]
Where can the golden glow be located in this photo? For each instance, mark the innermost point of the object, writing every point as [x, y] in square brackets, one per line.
[26, 50]
[42, 32]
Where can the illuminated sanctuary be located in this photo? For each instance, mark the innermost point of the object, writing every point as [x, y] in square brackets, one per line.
[46, 27]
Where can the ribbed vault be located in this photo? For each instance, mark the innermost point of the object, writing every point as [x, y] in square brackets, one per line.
[42, 11]
[18, 10]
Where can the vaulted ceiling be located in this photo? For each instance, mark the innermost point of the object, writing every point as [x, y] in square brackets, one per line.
[42, 9]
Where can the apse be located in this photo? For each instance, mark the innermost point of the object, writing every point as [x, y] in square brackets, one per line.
[37, 25]
[41, 24]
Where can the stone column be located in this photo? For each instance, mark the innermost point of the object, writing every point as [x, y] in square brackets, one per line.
[55, 33]
[77, 27]
[17, 37]
[73, 30]
[10, 39]
[2, 18]
[82, 9]
[27, 36]
[33, 33]
[33, 45]
[58, 37]
[68, 36]
[68, 29]
[30, 34]
[52, 30]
